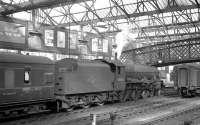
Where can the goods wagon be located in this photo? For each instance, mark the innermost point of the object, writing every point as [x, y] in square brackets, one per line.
[187, 79]
[25, 82]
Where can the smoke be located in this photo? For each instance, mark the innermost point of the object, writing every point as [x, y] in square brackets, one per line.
[123, 38]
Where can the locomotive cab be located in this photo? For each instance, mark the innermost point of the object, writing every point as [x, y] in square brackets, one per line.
[119, 72]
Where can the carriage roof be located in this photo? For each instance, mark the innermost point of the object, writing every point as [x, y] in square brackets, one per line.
[18, 58]
[189, 65]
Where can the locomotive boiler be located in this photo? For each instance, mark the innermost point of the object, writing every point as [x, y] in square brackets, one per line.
[141, 81]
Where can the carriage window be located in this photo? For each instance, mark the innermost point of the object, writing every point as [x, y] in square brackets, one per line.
[27, 76]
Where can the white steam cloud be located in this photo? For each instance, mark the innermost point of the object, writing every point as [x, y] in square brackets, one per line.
[123, 38]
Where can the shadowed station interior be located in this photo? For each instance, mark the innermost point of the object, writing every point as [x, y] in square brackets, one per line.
[99, 62]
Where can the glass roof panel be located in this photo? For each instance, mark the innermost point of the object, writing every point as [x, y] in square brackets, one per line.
[99, 4]
[91, 12]
[76, 8]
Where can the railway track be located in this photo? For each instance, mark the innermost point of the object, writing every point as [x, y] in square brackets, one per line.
[82, 115]
[169, 92]
[122, 113]
[80, 111]
[22, 116]
[175, 115]
[172, 116]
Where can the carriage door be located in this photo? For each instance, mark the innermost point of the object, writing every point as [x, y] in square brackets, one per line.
[193, 78]
[9, 78]
[182, 77]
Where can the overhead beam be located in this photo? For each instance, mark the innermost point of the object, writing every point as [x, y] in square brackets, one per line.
[92, 11]
[163, 43]
[122, 9]
[156, 27]
[171, 25]
[170, 35]
[138, 14]
[35, 4]
[157, 37]
[110, 33]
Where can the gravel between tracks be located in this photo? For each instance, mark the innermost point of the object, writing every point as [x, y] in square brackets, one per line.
[125, 113]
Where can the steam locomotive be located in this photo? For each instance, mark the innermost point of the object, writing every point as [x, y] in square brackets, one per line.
[32, 83]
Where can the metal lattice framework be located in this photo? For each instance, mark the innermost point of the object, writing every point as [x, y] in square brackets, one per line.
[153, 18]
[157, 22]
[172, 52]
[13, 6]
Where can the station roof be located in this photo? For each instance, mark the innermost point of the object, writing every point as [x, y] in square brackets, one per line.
[153, 20]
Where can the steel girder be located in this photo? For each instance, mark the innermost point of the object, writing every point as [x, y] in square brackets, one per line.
[181, 24]
[171, 22]
[161, 20]
[167, 53]
[13, 7]
[118, 12]
[112, 15]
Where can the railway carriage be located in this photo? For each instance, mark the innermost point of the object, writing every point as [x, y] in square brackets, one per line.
[187, 79]
[26, 83]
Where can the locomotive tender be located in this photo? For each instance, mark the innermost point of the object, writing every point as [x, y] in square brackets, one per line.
[28, 83]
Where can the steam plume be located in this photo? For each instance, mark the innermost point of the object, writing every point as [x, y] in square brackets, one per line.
[122, 39]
